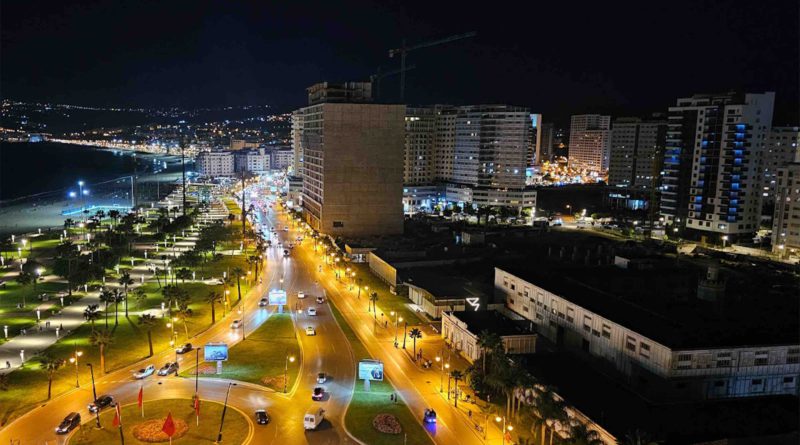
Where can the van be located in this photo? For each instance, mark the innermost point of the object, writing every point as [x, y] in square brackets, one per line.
[313, 417]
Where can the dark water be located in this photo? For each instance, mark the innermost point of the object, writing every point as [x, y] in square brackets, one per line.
[32, 168]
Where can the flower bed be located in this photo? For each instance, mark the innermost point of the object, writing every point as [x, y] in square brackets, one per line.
[387, 424]
[150, 431]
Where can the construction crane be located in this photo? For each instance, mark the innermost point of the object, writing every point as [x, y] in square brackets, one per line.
[376, 78]
[404, 50]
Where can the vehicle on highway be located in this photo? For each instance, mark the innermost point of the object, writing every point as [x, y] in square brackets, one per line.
[285, 253]
[184, 349]
[314, 416]
[285, 228]
[144, 372]
[320, 300]
[321, 377]
[262, 418]
[69, 423]
[429, 416]
[236, 324]
[263, 302]
[101, 403]
[318, 394]
[169, 368]
[311, 331]
[312, 311]
[301, 295]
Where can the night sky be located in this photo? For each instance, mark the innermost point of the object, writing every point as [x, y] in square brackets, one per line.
[557, 57]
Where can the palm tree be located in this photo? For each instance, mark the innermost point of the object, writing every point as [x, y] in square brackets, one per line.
[125, 280]
[118, 297]
[238, 272]
[107, 297]
[488, 341]
[456, 375]
[101, 339]
[580, 434]
[373, 299]
[140, 297]
[185, 312]
[25, 278]
[5, 380]
[91, 314]
[212, 298]
[148, 321]
[638, 437]
[415, 334]
[157, 273]
[50, 364]
[549, 409]
[183, 274]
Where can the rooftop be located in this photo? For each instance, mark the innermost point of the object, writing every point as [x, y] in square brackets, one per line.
[759, 306]
[492, 321]
[451, 282]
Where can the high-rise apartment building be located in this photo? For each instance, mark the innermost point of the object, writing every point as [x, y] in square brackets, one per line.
[711, 180]
[786, 220]
[589, 142]
[297, 143]
[545, 147]
[251, 160]
[352, 162]
[215, 163]
[534, 140]
[637, 150]
[783, 147]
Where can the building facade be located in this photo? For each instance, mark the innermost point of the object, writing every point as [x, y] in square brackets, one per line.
[783, 147]
[637, 150]
[251, 160]
[786, 219]
[589, 142]
[215, 163]
[282, 158]
[711, 181]
[462, 330]
[546, 141]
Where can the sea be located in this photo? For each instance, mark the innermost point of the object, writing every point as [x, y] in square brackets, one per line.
[39, 182]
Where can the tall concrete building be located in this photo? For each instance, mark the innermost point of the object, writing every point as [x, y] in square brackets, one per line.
[589, 142]
[786, 220]
[637, 150]
[297, 143]
[215, 163]
[251, 160]
[352, 162]
[534, 140]
[546, 142]
[711, 180]
[783, 147]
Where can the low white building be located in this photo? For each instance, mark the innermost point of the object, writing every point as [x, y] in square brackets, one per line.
[687, 357]
[282, 158]
[463, 329]
[253, 160]
[215, 163]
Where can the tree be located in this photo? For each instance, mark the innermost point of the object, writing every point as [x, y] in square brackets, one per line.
[373, 299]
[238, 272]
[5, 381]
[140, 297]
[185, 312]
[549, 409]
[50, 365]
[102, 339]
[125, 280]
[415, 334]
[25, 278]
[231, 218]
[488, 341]
[580, 434]
[91, 313]
[118, 298]
[212, 298]
[183, 274]
[638, 437]
[107, 297]
[148, 321]
[114, 214]
[456, 375]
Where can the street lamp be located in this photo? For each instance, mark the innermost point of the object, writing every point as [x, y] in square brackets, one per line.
[724, 241]
[224, 409]
[499, 419]
[74, 359]
[94, 393]
[289, 358]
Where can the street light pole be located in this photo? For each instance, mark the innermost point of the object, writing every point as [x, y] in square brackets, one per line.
[224, 409]
[94, 394]
[286, 371]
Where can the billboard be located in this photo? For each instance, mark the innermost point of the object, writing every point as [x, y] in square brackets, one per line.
[370, 370]
[215, 352]
[277, 297]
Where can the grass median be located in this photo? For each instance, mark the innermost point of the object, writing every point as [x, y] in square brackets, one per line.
[235, 430]
[365, 405]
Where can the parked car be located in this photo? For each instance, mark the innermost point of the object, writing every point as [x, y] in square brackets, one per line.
[318, 394]
[184, 349]
[145, 372]
[236, 324]
[101, 403]
[168, 368]
[312, 311]
[262, 418]
[311, 331]
[263, 302]
[321, 377]
[69, 423]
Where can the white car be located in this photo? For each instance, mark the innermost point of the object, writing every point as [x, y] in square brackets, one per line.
[311, 331]
[301, 295]
[236, 324]
[321, 378]
[320, 300]
[146, 372]
[312, 311]
[285, 228]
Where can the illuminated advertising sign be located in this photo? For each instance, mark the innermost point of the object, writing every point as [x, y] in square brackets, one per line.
[215, 352]
[370, 370]
[277, 297]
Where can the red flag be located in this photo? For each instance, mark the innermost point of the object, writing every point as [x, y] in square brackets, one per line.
[117, 417]
[169, 426]
[197, 406]
[141, 396]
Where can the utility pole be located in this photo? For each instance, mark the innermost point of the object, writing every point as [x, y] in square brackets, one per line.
[404, 50]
